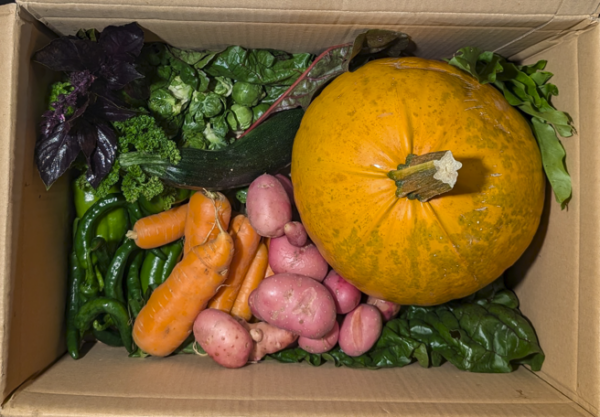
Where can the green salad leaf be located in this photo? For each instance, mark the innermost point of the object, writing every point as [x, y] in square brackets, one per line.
[484, 332]
[526, 88]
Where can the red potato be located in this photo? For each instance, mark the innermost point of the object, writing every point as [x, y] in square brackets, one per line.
[287, 258]
[287, 184]
[322, 345]
[388, 309]
[296, 303]
[223, 338]
[268, 206]
[360, 330]
[267, 339]
[295, 233]
[345, 295]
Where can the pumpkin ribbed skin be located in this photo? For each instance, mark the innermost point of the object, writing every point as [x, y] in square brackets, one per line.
[363, 125]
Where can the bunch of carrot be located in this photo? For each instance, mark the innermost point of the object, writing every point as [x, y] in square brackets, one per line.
[224, 260]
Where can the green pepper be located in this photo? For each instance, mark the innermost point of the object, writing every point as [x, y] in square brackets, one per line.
[135, 294]
[113, 226]
[76, 274]
[173, 252]
[113, 283]
[151, 273]
[118, 313]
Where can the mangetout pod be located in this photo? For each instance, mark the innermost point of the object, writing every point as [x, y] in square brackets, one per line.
[381, 195]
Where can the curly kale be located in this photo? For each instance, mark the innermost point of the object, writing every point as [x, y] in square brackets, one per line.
[140, 134]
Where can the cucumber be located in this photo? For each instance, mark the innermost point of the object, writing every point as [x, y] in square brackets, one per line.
[265, 149]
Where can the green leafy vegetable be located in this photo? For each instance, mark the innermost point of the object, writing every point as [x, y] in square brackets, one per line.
[481, 333]
[258, 66]
[141, 134]
[239, 117]
[247, 94]
[526, 87]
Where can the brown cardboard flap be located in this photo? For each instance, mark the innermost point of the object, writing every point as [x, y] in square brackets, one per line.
[509, 26]
[32, 249]
[7, 27]
[507, 7]
[557, 278]
[107, 382]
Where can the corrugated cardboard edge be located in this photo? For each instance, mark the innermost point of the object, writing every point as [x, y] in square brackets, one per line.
[587, 391]
[8, 92]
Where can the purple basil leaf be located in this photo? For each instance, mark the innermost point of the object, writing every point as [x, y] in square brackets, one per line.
[81, 81]
[70, 54]
[123, 43]
[55, 153]
[118, 74]
[87, 137]
[107, 109]
[104, 156]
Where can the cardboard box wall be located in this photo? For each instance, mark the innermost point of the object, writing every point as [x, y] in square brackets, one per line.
[557, 280]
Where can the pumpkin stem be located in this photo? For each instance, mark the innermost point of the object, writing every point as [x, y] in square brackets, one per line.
[425, 176]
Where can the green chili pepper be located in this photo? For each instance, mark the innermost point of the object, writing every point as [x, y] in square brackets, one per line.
[76, 274]
[96, 325]
[134, 286]
[113, 226]
[151, 273]
[118, 313]
[100, 251]
[133, 209]
[159, 254]
[173, 251]
[86, 229]
[113, 287]
[108, 337]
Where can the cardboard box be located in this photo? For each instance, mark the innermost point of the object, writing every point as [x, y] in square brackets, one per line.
[557, 280]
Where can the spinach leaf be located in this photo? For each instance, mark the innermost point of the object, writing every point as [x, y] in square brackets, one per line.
[484, 332]
[526, 88]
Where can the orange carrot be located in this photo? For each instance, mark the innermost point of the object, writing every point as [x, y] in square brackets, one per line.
[159, 229]
[246, 241]
[168, 317]
[254, 276]
[200, 224]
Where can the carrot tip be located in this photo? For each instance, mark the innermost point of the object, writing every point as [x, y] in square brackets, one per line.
[131, 235]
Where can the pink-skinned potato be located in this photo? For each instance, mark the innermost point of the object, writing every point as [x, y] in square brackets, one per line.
[267, 339]
[287, 258]
[287, 184]
[268, 206]
[296, 303]
[360, 330]
[223, 338]
[345, 295]
[295, 233]
[388, 309]
[322, 345]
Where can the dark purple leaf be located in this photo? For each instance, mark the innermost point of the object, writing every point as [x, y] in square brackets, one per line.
[81, 81]
[87, 137]
[70, 54]
[108, 110]
[123, 43]
[104, 156]
[118, 74]
[55, 153]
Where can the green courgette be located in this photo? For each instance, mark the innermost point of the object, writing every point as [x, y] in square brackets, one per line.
[265, 149]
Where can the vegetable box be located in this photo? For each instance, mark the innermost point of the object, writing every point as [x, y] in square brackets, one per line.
[557, 280]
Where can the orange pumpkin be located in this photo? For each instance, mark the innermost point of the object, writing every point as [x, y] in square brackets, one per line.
[363, 126]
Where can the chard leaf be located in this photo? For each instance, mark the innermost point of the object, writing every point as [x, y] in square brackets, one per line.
[484, 332]
[526, 87]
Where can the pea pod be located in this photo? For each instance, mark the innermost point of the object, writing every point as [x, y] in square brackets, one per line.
[76, 274]
[173, 252]
[108, 337]
[118, 313]
[135, 294]
[86, 229]
[113, 283]
[151, 273]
